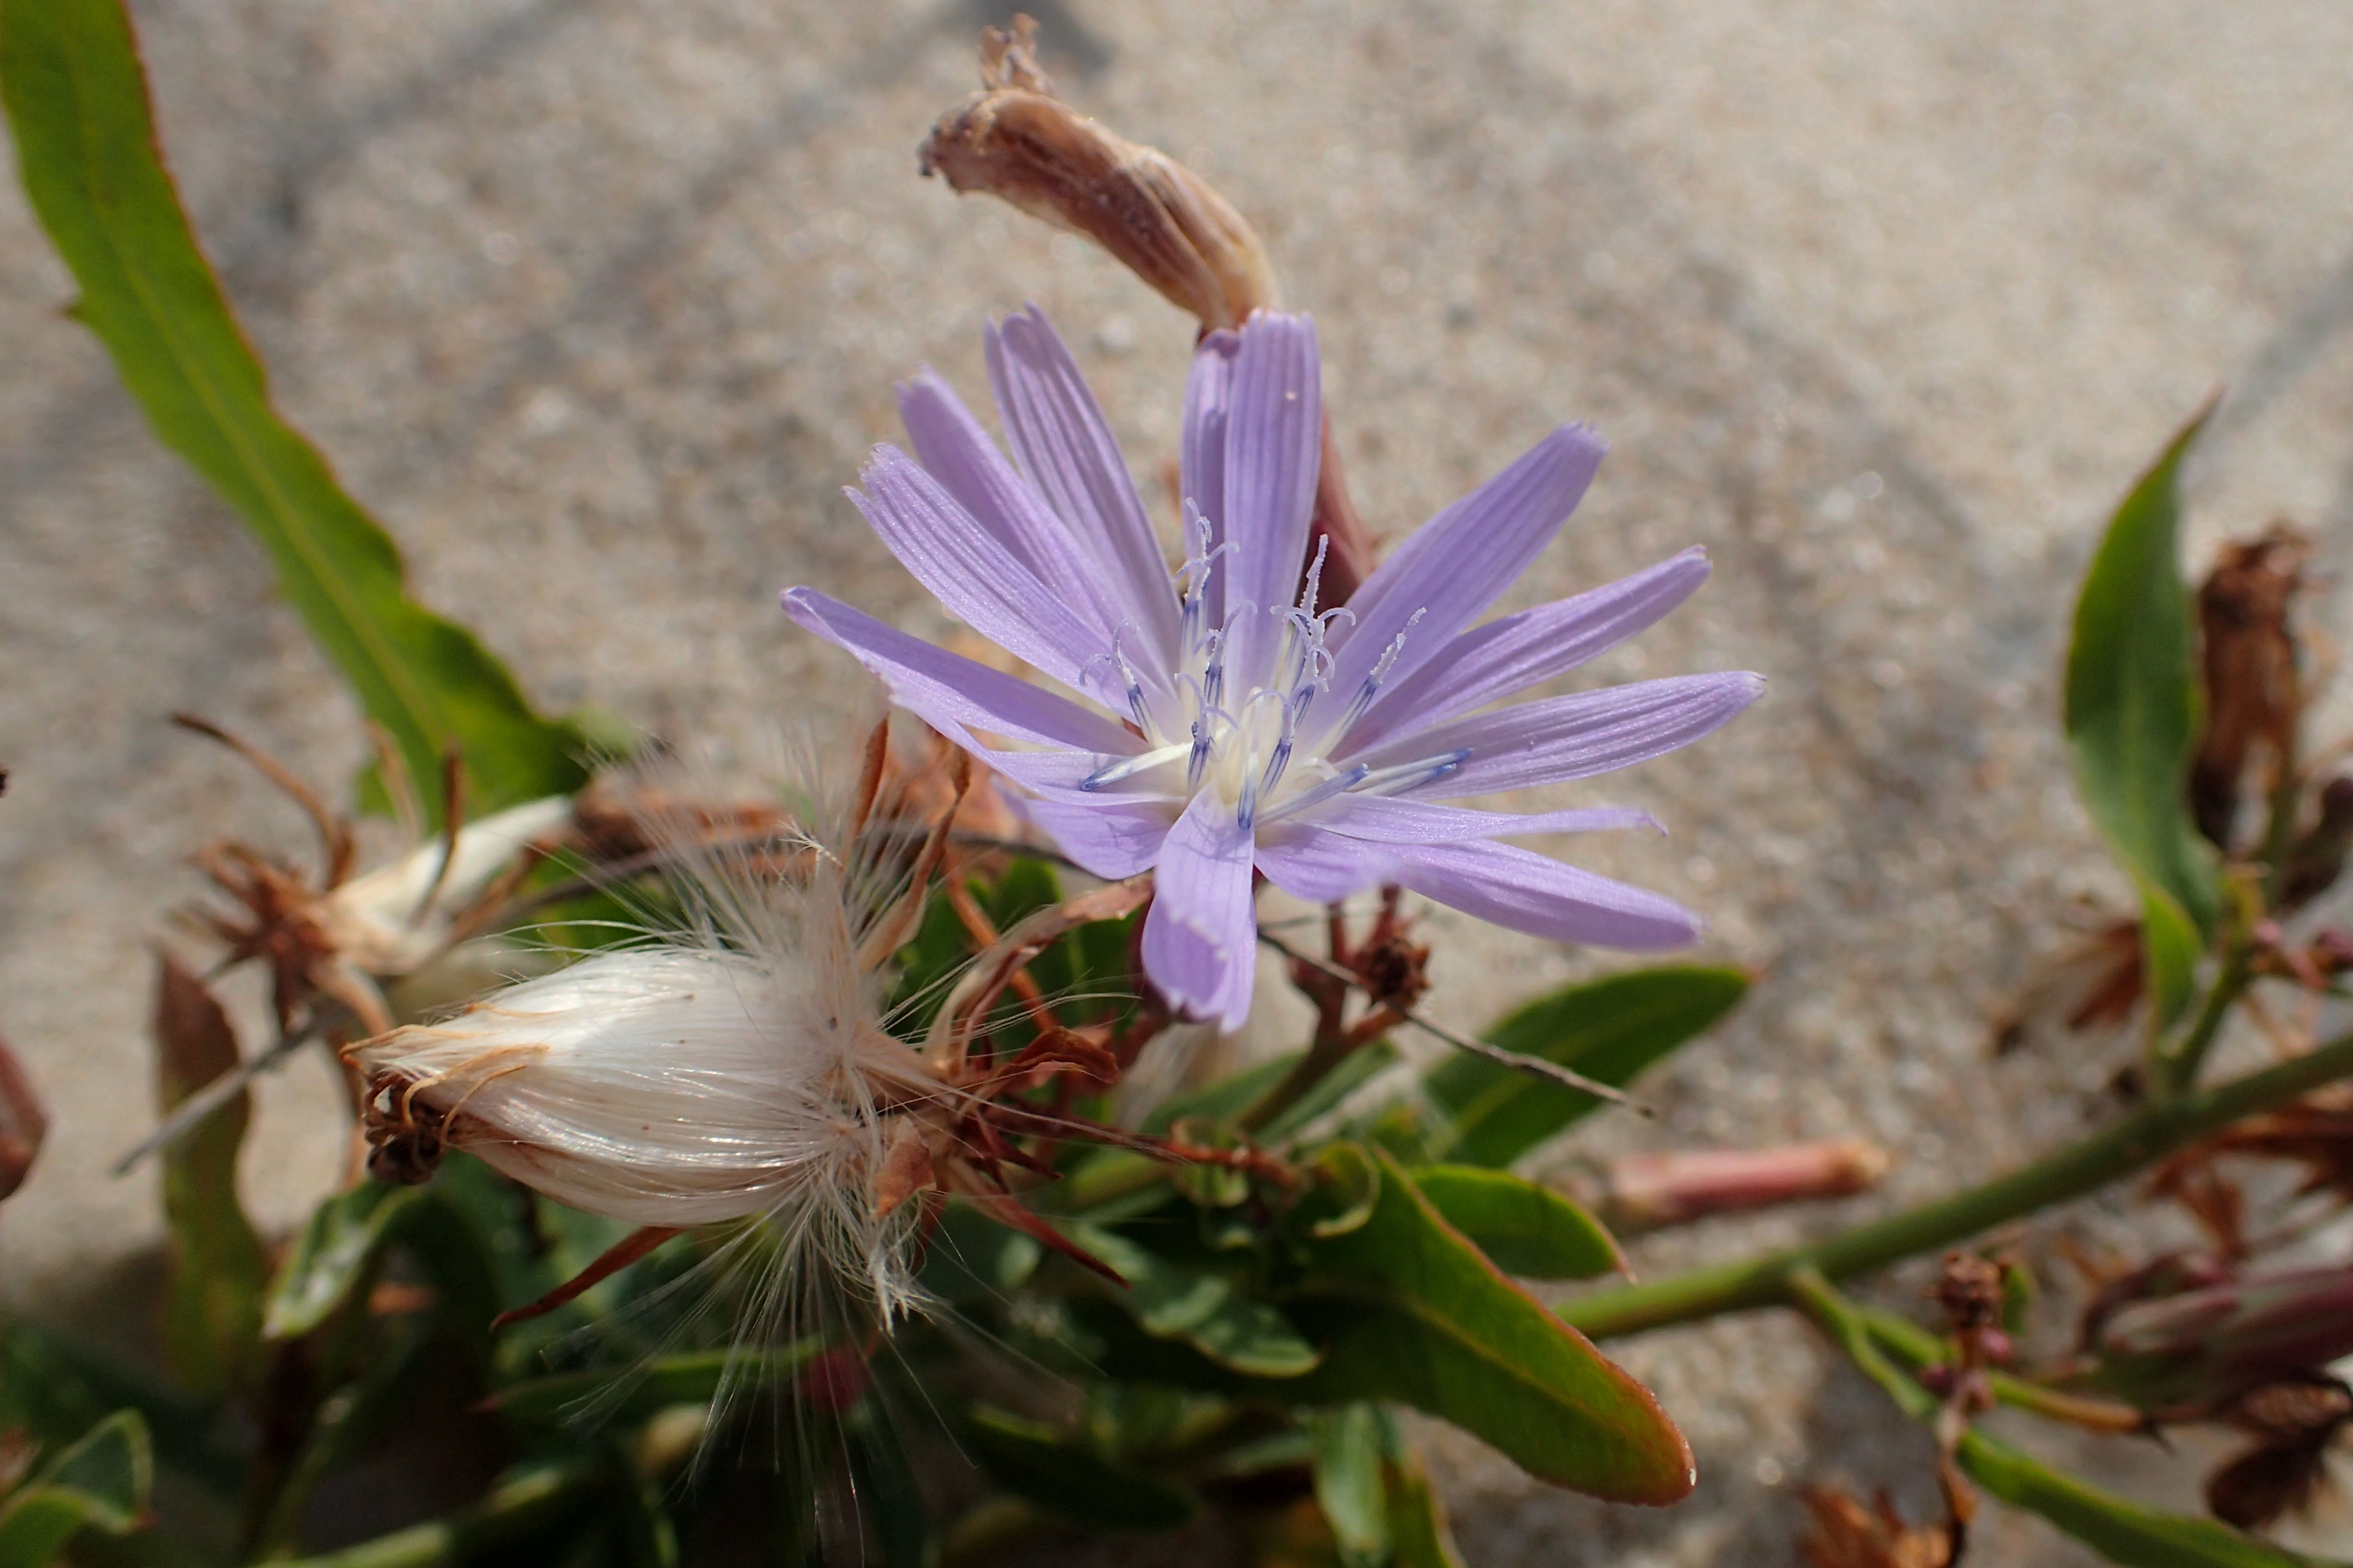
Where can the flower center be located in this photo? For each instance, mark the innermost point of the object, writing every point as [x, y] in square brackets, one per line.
[1257, 737]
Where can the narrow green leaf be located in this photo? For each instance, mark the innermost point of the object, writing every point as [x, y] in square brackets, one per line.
[1418, 1532]
[2116, 1528]
[59, 1389]
[1207, 1311]
[77, 102]
[1349, 1485]
[1608, 1030]
[1410, 1312]
[694, 1378]
[100, 1483]
[212, 1316]
[2133, 703]
[1526, 1230]
[335, 1254]
[883, 1480]
[1035, 1462]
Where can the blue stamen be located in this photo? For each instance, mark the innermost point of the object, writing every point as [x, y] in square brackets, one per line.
[1127, 767]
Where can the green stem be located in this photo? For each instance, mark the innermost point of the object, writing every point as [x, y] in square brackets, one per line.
[1328, 1052]
[2178, 1065]
[2137, 1140]
[518, 1506]
[1919, 1348]
[1838, 1318]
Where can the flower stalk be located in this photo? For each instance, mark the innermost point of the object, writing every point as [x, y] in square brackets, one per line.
[2118, 1151]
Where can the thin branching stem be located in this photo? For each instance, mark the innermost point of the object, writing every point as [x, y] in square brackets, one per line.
[2115, 1151]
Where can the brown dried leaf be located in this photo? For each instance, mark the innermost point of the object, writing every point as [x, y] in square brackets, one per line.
[23, 1122]
[219, 1267]
[2252, 692]
[2264, 1484]
[1845, 1534]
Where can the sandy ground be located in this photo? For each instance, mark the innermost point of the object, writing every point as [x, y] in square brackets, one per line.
[598, 303]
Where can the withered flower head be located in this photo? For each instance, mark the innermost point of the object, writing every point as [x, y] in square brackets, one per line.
[1016, 139]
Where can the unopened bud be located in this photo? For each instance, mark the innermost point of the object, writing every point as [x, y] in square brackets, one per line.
[2199, 1350]
[1651, 1190]
[23, 1122]
[1016, 139]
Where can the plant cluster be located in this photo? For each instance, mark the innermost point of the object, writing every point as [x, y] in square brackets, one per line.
[773, 1169]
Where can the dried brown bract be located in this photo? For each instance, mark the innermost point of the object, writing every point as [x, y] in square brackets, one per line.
[2253, 691]
[2316, 1133]
[1843, 1533]
[1016, 139]
[2316, 859]
[23, 1122]
[2292, 1423]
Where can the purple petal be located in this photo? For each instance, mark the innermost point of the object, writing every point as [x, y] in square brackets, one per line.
[1521, 891]
[1208, 400]
[951, 693]
[1200, 940]
[972, 573]
[1462, 560]
[1574, 737]
[1507, 655]
[1064, 444]
[1274, 435]
[1394, 821]
[1110, 840]
[956, 451]
[1323, 867]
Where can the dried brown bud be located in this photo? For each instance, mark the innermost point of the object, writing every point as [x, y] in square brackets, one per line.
[2253, 695]
[23, 1122]
[1015, 139]
[1845, 1534]
[1651, 1190]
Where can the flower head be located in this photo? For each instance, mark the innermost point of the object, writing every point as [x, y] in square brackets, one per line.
[735, 1067]
[1236, 724]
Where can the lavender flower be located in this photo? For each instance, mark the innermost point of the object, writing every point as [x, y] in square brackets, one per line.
[1250, 727]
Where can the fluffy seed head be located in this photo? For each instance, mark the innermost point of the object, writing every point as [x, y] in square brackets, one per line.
[733, 1065]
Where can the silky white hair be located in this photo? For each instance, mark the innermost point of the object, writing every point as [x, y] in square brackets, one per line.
[731, 1065]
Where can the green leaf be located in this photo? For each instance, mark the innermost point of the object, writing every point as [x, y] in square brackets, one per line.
[1207, 1311]
[1526, 1230]
[77, 102]
[1035, 1462]
[624, 1394]
[212, 1316]
[1418, 1529]
[883, 1480]
[1409, 1311]
[2118, 1528]
[100, 1483]
[60, 1390]
[335, 1254]
[1349, 1486]
[2133, 696]
[1608, 1030]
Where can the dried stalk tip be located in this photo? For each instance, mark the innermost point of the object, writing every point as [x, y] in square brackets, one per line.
[1015, 139]
[1648, 1191]
[23, 1123]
